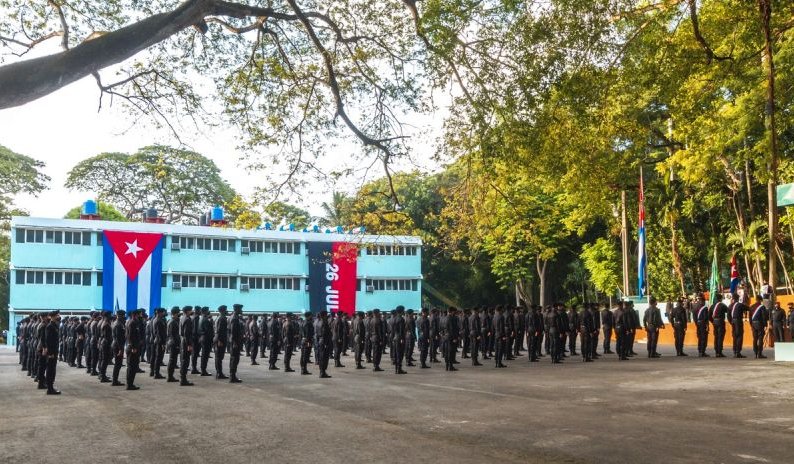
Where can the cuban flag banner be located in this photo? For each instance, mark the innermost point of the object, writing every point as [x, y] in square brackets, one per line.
[642, 258]
[132, 268]
[736, 279]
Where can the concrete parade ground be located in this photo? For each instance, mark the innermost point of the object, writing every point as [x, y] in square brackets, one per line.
[668, 410]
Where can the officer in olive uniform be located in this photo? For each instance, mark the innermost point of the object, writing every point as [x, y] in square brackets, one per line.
[235, 341]
[134, 345]
[186, 346]
[653, 323]
[307, 340]
[173, 343]
[118, 345]
[220, 340]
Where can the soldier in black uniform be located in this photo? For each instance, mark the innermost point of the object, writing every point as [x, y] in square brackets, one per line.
[235, 341]
[220, 341]
[607, 323]
[359, 333]
[718, 314]
[254, 337]
[621, 321]
[134, 344]
[702, 323]
[173, 343]
[791, 320]
[678, 318]
[148, 342]
[322, 334]
[573, 329]
[435, 335]
[50, 351]
[105, 340]
[586, 332]
[510, 330]
[119, 337]
[475, 331]
[634, 325]
[521, 328]
[307, 340]
[736, 316]
[398, 337]
[205, 333]
[500, 335]
[465, 334]
[759, 319]
[378, 339]
[194, 340]
[778, 319]
[486, 331]
[338, 328]
[653, 323]
[274, 328]
[534, 332]
[94, 328]
[288, 333]
[451, 332]
[565, 327]
[40, 368]
[159, 340]
[367, 336]
[410, 337]
[423, 333]
[186, 346]
[551, 322]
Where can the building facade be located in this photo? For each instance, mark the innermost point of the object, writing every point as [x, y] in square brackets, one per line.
[59, 264]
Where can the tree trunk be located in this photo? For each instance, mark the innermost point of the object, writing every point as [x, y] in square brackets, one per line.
[768, 62]
[540, 265]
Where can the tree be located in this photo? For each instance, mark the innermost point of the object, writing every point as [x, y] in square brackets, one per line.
[106, 211]
[601, 260]
[335, 212]
[180, 184]
[278, 213]
[18, 174]
[241, 214]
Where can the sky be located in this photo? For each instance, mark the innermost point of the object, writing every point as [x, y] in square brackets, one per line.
[65, 127]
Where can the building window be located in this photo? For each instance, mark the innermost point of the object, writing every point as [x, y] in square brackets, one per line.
[393, 284]
[55, 278]
[164, 280]
[98, 279]
[20, 278]
[20, 235]
[204, 281]
[271, 283]
[389, 250]
[200, 243]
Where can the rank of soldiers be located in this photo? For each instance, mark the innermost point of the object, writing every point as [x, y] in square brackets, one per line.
[192, 335]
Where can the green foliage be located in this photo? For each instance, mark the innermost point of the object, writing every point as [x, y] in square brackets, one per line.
[18, 174]
[602, 261]
[278, 213]
[106, 211]
[182, 185]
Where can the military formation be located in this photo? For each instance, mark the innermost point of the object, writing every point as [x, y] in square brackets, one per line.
[193, 335]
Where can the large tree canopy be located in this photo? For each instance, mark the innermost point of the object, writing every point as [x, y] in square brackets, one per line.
[182, 185]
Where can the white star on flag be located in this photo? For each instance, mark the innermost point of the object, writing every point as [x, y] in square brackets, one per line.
[133, 248]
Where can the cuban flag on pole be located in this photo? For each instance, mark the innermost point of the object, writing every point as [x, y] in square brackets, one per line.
[736, 279]
[132, 267]
[642, 258]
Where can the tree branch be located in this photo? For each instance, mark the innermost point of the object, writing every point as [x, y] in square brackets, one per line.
[710, 55]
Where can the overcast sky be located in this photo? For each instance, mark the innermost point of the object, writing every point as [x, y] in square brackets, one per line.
[64, 128]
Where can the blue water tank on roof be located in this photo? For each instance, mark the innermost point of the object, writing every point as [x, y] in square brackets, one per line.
[90, 208]
[217, 213]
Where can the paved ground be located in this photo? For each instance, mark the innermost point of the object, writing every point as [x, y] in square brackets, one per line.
[668, 410]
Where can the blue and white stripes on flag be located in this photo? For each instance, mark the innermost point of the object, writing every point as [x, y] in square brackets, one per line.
[132, 269]
[642, 258]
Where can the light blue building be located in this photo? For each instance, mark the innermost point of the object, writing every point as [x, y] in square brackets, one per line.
[58, 264]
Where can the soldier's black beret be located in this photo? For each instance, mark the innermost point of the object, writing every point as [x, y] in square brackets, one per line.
[120, 312]
[237, 306]
[187, 308]
[175, 310]
[307, 314]
[222, 308]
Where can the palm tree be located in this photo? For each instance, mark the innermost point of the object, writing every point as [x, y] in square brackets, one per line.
[747, 242]
[336, 211]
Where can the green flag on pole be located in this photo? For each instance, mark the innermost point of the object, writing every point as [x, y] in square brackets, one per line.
[714, 281]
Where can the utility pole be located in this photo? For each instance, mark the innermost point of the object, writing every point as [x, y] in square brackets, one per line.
[624, 241]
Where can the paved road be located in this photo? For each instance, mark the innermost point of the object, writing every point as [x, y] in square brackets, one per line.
[666, 411]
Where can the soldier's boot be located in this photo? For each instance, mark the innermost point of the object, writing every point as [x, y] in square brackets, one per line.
[287, 368]
[184, 382]
[234, 379]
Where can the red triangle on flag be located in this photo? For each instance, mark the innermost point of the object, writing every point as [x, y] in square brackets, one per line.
[132, 248]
